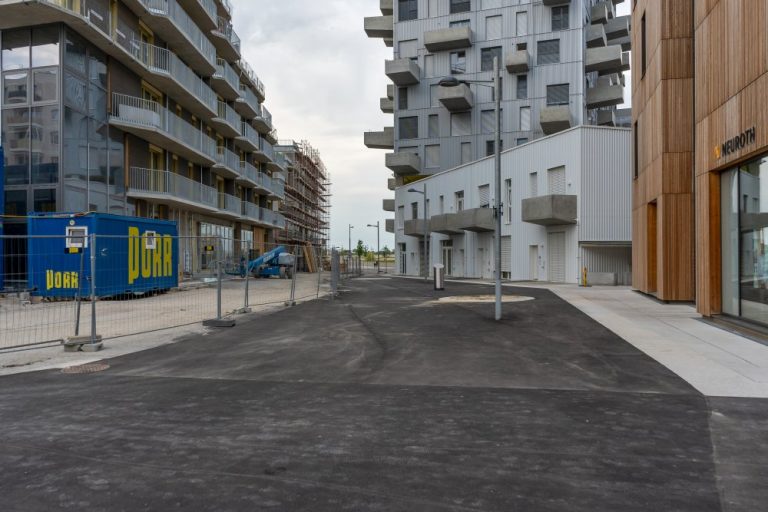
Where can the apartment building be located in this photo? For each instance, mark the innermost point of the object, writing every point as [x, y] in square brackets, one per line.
[138, 107]
[700, 216]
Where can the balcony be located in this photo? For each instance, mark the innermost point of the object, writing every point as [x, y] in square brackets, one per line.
[171, 189]
[605, 59]
[203, 12]
[380, 140]
[227, 122]
[601, 13]
[249, 175]
[403, 164]
[388, 205]
[248, 140]
[596, 37]
[552, 210]
[456, 99]
[402, 71]
[379, 26]
[415, 227]
[391, 183]
[263, 121]
[257, 215]
[247, 104]
[555, 119]
[617, 27]
[247, 73]
[386, 7]
[230, 206]
[273, 218]
[168, 18]
[265, 153]
[227, 163]
[518, 61]
[387, 105]
[226, 40]
[605, 96]
[155, 124]
[478, 220]
[271, 137]
[389, 225]
[445, 224]
[448, 39]
[225, 81]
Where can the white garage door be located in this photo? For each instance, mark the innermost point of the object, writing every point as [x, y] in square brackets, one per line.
[556, 257]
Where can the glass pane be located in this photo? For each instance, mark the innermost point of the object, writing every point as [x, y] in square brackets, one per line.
[44, 200]
[75, 168]
[16, 141]
[45, 145]
[97, 68]
[45, 46]
[74, 54]
[729, 204]
[75, 92]
[15, 49]
[15, 88]
[16, 202]
[753, 221]
[45, 85]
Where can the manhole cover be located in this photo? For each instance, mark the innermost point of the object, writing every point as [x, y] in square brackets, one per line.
[86, 368]
[484, 298]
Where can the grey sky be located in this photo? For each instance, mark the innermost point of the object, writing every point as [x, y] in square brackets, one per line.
[324, 78]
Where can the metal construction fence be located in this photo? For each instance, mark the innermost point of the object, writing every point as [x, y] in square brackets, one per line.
[59, 288]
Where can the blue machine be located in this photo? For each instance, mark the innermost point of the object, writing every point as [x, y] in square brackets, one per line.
[275, 263]
[134, 256]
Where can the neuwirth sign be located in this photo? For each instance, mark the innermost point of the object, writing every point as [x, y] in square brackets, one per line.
[735, 144]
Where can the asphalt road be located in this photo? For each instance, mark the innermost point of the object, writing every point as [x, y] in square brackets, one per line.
[383, 400]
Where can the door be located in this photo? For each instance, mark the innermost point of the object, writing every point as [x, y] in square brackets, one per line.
[533, 262]
[403, 259]
[447, 256]
[557, 257]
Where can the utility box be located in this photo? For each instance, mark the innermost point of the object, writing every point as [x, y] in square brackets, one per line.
[133, 256]
[439, 277]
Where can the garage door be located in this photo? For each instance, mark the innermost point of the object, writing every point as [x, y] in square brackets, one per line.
[557, 257]
[506, 254]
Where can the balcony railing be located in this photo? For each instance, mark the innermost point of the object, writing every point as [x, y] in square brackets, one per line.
[228, 114]
[227, 158]
[225, 72]
[249, 172]
[165, 183]
[228, 32]
[252, 77]
[209, 6]
[151, 115]
[250, 134]
[230, 203]
[227, 6]
[267, 148]
[182, 21]
[248, 96]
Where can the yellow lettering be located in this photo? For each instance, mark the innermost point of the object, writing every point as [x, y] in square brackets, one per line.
[48, 279]
[75, 280]
[167, 256]
[133, 254]
[67, 283]
[146, 260]
[57, 280]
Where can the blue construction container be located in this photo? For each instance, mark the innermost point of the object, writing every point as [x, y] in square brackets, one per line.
[134, 255]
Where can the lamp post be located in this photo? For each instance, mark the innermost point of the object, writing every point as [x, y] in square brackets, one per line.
[426, 230]
[349, 253]
[451, 81]
[378, 248]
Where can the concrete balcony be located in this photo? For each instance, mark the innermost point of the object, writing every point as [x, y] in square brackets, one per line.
[248, 140]
[225, 81]
[478, 220]
[203, 12]
[403, 164]
[249, 175]
[518, 61]
[389, 42]
[263, 121]
[555, 119]
[387, 105]
[392, 183]
[625, 42]
[601, 13]
[552, 210]
[415, 227]
[617, 27]
[596, 37]
[605, 59]
[230, 206]
[171, 189]
[384, 139]
[389, 225]
[227, 122]
[247, 104]
[456, 99]
[445, 224]
[553, 3]
[447, 39]
[226, 40]
[227, 163]
[388, 205]
[402, 71]
[621, 117]
[611, 79]
[605, 96]
[625, 65]
[386, 7]
[154, 123]
[379, 26]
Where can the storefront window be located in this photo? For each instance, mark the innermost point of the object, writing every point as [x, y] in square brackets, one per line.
[753, 224]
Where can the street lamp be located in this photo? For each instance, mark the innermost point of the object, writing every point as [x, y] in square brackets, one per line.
[378, 249]
[452, 81]
[426, 230]
[349, 254]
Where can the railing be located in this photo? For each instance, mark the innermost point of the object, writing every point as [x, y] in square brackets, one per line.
[230, 203]
[170, 184]
[172, 10]
[225, 72]
[251, 75]
[209, 6]
[247, 95]
[247, 132]
[150, 114]
[251, 211]
[278, 188]
[95, 11]
[266, 148]
[228, 114]
[274, 218]
[226, 30]
[249, 172]
[227, 6]
[228, 159]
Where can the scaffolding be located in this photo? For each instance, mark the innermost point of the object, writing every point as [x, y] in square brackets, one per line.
[307, 204]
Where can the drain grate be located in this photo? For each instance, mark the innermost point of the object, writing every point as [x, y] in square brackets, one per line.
[86, 368]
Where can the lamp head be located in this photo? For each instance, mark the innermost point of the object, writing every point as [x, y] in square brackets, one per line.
[449, 81]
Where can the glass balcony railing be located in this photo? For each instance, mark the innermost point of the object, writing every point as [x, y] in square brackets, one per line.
[165, 183]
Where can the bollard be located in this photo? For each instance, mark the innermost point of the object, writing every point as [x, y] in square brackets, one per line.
[584, 278]
[219, 321]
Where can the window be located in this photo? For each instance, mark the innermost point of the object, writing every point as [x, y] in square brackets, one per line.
[521, 23]
[484, 195]
[548, 52]
[521, 140]
[521, 46]
[556, 180]
[493, 27]
[76, 237]
[635, 148]
[525, 119]
[458, 199]
[560, 18]
[507, 201]
[441, 204]
[402, 98]
[522, 87]
[643, 47]
[433, 126]
[460, 6]
[429, 66]
[408, 49]
[489, 148]
[458, 62]
[432, 156]
[466, 152]
[557, 94]
[409, 127]
[461, 124]
[486, 57]
[434, 95]
[459, 23]
[414, 210]
[400, 216]
[533, 184]
[488, 121]
[407, 10]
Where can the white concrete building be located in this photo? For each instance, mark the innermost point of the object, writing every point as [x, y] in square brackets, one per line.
[566, 202]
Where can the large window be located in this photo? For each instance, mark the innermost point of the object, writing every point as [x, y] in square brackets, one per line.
[560, 18]
[460, 6]
[522, 87]
[557, 94]
[461, 123]
[486, 57]
[407, 10]
[409, 127]
[458, 62]
[432, 156]
[643, 47]
[548, 52]
[402, 98]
